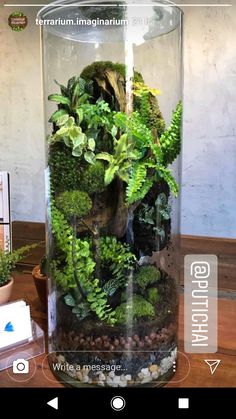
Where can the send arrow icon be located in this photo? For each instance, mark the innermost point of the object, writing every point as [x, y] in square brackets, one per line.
[213, 364]
[53, 403]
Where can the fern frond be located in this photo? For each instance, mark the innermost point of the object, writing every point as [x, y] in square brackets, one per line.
[170, 140]
[167, 176]
[137, 178]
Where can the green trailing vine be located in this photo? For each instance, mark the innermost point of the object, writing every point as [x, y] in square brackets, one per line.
[79, 268]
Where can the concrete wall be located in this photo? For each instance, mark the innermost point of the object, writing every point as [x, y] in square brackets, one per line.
[209, 152]
[21, 126]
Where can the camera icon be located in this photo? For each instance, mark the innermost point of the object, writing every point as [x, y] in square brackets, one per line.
[20, 366]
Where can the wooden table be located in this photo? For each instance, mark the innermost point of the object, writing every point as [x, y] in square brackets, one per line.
[198, 376]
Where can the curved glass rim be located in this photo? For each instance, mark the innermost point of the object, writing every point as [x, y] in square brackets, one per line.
[50, 10]
[51, 7]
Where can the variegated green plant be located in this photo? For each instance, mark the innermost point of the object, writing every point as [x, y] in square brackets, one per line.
[73, 137]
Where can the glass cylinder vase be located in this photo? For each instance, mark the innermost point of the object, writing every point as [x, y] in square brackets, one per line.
[112, 88]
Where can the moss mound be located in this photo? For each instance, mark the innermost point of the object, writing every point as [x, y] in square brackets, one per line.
[137, 308]
[147, 275]
[74, 204]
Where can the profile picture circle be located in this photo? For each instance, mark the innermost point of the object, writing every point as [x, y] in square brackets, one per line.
[17, 21]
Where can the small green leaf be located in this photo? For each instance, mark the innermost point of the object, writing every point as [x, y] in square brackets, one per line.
[109, 174]
[80, 114]
[67, 141]
[89, 157]
[63, 88]
[63, 119]
[71, 121]
[61, 132]
[104, 156]
[77, 152]
[76, 94]
[63, 100]
[69, 300]
[80, 140]
[91, 144]
[121, 145]
[114, 131]
[57, 115]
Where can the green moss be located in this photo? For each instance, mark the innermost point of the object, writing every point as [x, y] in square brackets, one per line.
[147, 275]
[148, 107]
[137, 307]
[98, 68]
[93, 178]
[74, 204]
[65, 169]
[152, 295]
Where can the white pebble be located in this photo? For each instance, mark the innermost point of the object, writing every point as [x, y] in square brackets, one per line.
[116, 379]
[145, 371]
[109, 380]
[101, 377]
[112, 384]
[85, 379]
[155, 375]
[72, 373]
[111, 374]
[61, 358]
[79, 376]
[85, 371]
[128, 377]
[123, 383]
[101, 383]
[146, 380]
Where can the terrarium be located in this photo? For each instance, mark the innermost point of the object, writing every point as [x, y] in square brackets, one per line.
[112, 96]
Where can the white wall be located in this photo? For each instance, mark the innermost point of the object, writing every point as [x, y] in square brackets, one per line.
[21, 119]
[209, 152]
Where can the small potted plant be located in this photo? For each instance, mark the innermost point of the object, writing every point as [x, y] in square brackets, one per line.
[39, 274]
[8, 261]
